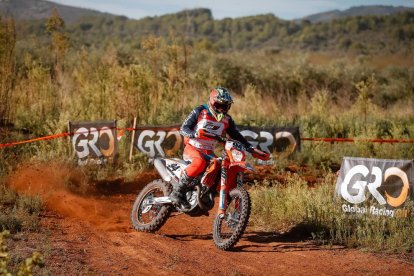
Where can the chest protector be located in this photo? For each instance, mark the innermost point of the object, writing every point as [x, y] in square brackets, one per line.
[207, 122]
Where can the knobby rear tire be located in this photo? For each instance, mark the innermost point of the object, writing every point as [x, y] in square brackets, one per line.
[163, 212]
[228, 243]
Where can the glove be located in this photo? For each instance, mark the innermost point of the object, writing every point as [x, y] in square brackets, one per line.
[250, 149]
[198, 133]
[202, 133]
[205, 134]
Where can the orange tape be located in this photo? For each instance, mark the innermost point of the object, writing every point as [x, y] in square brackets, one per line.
[49, 137]
[331, 140]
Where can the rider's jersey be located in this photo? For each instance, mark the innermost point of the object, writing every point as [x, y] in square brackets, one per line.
[201, 118]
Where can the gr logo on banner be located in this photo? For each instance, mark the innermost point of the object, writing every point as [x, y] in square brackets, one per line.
[158, 142]
[389, 183]
[94, 142]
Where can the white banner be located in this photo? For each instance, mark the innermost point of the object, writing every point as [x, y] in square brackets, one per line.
[376, 187]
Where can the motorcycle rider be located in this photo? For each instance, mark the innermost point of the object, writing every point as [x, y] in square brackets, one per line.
[212, 118]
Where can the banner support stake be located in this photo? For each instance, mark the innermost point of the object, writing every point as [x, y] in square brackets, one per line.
[132, 139]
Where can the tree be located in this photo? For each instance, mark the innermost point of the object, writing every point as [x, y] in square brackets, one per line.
[60, 42]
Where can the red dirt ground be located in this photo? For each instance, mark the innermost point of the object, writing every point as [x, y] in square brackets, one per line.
[93, 235]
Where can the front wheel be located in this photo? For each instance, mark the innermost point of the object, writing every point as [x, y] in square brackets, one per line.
[148, 217]
[229, 227]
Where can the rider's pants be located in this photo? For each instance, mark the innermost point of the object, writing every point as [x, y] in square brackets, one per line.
[199, 159]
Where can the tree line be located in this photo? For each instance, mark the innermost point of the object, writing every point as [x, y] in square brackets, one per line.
[361, 34]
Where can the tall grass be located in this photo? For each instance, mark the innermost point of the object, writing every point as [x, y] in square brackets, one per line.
[7, 67]
[281, 207]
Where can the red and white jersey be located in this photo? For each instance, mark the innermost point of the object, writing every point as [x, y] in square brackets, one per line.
[201, 118]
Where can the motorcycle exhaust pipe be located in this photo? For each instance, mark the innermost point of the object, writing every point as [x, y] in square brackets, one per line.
[162, 169]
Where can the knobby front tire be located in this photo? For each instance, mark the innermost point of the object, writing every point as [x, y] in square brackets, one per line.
[228, 229]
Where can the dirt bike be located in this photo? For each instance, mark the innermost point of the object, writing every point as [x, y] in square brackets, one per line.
[223, 176]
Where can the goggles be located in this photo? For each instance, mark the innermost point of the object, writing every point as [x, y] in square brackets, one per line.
[222, 106]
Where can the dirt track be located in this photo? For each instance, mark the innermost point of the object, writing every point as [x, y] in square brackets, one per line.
[93, 235]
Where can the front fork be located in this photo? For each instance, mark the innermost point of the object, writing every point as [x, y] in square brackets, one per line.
[224, 187]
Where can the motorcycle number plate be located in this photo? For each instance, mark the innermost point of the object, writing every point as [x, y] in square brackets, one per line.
[174, 167]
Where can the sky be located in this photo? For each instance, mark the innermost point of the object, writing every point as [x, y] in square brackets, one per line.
[284, 9]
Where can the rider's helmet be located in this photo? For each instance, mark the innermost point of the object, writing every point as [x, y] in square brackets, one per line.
[219, 102]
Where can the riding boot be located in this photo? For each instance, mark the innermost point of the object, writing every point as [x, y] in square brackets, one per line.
[178, 194]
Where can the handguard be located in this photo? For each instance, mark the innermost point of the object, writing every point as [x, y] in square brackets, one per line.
[262, 155]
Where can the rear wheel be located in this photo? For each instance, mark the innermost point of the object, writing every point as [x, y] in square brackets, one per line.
[229, 227]
[148, 217]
